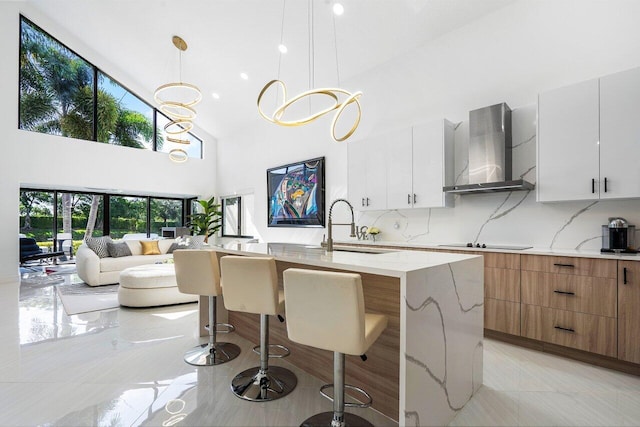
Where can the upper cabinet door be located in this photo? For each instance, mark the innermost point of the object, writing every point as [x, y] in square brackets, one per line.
[376, 171]
[356, 174]
[620, 135]
[568, 135]
[432, 164]
[399, 172]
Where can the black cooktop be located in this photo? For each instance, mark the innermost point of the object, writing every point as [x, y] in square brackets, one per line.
[486, 246]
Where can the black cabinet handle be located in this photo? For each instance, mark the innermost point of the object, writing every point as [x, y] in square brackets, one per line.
[408, 199]
[605, 184]
[414, 198]
[564, 265]
[565, 329]
[363, 201]
[593, 185]
[624, 275]
[367, 201]
[564, 292]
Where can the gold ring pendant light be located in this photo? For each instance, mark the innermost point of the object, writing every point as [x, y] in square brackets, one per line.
[337, 105]
[178, 107]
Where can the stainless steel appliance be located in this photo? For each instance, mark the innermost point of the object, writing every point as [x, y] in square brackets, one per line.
[618, 236]
[490, 153]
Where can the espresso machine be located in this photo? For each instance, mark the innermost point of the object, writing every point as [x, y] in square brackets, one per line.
[618, 237]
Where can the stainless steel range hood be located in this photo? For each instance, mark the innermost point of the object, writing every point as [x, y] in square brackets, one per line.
[490, 153]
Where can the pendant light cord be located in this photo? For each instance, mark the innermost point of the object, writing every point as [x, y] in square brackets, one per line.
[335, 45]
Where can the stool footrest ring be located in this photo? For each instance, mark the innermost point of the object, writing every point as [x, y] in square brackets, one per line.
[285, 350]
[366, 404]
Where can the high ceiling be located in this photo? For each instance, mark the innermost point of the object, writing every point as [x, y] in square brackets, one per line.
[227, 37]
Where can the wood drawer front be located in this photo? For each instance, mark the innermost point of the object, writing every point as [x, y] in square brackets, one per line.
[596, 334]
[592, 295]
[501, 283]
[502, 316]
[570, 265]
[500, 260]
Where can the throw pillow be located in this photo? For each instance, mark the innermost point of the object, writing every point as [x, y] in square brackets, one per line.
[117, 250]
[150, 247]
[99, 245]
[173, 247]
[195, 242]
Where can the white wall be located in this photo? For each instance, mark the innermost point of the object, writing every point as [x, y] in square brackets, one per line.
[56, 162]
[508, 56]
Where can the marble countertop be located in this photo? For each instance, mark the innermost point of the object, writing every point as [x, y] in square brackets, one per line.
[531, 251]
[392, 263]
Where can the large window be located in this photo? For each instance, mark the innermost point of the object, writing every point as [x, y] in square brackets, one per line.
[123, 118]
[128, 215]
[237, 216]
[58, 96]
[56, 86]
[60, 220]
[165, 213]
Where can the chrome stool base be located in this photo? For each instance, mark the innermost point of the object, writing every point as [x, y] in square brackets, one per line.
[206, 355]
[325, 419]
[256, 385]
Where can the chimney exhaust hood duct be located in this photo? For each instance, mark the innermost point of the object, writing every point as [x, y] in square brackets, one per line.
[490, 153]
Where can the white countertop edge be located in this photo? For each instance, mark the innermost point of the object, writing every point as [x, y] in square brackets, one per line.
[395, 263]
[533, 251]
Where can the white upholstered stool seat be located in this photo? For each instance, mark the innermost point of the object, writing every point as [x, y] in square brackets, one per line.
[325, 310]
[250, 285]
[198, 273]
[150, 285]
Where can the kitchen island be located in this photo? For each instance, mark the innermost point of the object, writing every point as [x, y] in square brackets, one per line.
[428, 362]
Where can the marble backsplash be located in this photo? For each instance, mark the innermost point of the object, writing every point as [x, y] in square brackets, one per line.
[509, 218]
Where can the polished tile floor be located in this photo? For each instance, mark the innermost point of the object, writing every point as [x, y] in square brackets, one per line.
[124, 367]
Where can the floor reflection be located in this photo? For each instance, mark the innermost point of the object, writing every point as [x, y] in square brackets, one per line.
[42, 315]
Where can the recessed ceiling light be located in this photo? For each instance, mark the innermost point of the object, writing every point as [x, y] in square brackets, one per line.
[338, 9]
[282, 48]
[215, 95]
[244, 76]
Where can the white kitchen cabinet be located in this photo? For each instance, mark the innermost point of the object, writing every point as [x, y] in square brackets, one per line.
[399, 173]
[420, 164]
[568, 151]
[367, 174]
[432, 165]
[620, 135]
[589, 140]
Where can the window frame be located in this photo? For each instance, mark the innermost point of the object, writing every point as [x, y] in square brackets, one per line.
[240, 216]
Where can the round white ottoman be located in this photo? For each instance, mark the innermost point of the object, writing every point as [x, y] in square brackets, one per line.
[151, 285]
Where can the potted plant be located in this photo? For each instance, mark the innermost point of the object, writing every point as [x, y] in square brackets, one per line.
[208, 221]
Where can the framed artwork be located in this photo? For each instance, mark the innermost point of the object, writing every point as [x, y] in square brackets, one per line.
[296, 194]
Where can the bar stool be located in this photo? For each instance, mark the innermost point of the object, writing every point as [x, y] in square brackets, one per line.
[325, 310]
[250, 285]
[198, 273]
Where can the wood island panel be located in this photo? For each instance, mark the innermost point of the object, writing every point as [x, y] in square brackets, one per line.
[379, 375]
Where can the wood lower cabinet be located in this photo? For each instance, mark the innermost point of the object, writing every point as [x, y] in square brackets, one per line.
[502, 292]
[596, 334]
[502, 316]
[570, 265]
[629, 311]
[584, 294]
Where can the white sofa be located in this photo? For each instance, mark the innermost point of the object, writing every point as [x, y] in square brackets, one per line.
[96, 271]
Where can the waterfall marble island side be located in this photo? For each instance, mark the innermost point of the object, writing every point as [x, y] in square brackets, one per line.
[428, 362]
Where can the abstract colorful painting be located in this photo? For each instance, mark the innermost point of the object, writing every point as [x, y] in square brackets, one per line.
[296, 194]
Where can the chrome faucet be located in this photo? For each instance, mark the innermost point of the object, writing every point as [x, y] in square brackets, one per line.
[331, 224]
